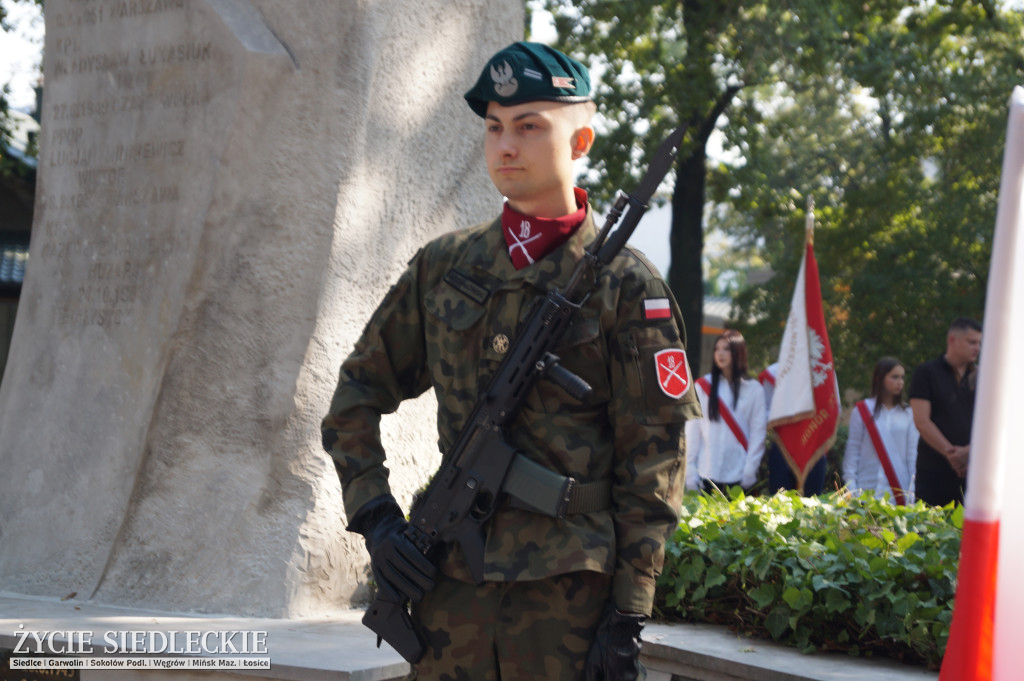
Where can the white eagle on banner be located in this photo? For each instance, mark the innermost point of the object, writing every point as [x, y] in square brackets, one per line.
[819, 370]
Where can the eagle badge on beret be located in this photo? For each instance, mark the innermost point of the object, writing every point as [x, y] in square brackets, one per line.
[505, 83]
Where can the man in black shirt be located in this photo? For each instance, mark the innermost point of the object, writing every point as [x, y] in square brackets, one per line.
[942, 399]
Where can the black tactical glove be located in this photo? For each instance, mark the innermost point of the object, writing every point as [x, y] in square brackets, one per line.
[615, 653]
[399, 569]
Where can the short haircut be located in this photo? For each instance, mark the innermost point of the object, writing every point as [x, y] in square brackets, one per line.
[965, 324]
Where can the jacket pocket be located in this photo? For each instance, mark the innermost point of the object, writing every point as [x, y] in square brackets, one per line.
[641, 392]
[450, 305]
[452, 336]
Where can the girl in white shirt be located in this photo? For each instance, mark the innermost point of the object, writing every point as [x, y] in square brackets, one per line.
[894, 421]
[725, 446]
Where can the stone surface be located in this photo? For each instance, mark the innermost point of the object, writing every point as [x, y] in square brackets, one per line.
[338, 647]
[226, 190]
[706, 652]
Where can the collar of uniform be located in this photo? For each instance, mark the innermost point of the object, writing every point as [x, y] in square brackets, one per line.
[551, 271]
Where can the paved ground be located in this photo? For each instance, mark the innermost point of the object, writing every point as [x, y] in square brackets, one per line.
[339, 648]
[703, 652]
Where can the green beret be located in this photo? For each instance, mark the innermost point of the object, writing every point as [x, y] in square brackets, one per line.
[527, 72]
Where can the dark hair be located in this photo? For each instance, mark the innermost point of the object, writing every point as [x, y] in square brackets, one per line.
[882, 369]
[964, 324]
[738, 350]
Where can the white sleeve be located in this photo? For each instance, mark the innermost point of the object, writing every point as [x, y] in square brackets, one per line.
[769, 390]
[756, 436]
[851, 457]
[912, 438]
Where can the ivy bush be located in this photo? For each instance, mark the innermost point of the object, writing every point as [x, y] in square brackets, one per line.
[832, 572]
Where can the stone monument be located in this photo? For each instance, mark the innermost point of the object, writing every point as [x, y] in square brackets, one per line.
[226, 190]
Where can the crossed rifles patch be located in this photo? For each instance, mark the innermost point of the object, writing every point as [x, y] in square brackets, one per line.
[673, 372]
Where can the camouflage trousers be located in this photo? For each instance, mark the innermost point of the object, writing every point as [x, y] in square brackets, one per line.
[510, 631]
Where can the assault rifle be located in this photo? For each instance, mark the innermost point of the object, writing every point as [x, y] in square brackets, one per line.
[466, 490]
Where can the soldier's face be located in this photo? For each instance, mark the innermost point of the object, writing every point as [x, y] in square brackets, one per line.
[530, 149]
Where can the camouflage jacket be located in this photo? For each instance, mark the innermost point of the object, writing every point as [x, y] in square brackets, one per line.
[437, 327]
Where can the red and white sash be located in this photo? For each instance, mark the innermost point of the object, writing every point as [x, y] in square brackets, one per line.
[883, 453]
[725, 413]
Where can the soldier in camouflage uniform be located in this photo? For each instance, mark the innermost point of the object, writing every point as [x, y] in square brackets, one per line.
[562, 598]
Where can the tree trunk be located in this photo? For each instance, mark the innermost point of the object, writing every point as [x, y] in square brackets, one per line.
[685, 273]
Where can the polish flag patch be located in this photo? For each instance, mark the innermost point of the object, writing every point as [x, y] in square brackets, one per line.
[561, 81]
[657, 308]
[673, 372]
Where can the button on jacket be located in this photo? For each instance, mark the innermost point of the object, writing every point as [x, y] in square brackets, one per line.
[446, 325]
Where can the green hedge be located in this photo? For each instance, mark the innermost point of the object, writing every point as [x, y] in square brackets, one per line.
[819, 573]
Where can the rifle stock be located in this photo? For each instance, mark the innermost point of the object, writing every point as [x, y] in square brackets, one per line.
[392, 623]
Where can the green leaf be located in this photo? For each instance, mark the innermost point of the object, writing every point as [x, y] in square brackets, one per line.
[958, 517]
[764, 595]
[907, 540]
[777, 623]
[714, 577]
[836, 602]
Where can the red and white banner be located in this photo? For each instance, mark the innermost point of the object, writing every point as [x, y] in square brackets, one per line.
[804, 412]
[988, 614]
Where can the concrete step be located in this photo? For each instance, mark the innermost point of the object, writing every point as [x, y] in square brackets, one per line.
[706, 652]
[339, 648]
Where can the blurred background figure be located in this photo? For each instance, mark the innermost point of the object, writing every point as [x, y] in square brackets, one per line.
[942, 399]
[881, 452]
[725, 446]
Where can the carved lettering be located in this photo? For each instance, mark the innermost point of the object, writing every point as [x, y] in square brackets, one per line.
[135, 8]
[115, 150]
[69, 136]
[146, 196]
[107, 106]
[166, 54]
[84, 16]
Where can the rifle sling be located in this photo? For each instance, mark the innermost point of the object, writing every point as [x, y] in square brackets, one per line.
[533, 487]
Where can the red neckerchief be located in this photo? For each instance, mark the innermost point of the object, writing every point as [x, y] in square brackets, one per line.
[529, 239]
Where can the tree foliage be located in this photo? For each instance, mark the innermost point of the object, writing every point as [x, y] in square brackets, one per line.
[900, 147]
[891, 115]
[663, 62]
[8, 165]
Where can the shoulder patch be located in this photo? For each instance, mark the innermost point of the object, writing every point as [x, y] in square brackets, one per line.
[673, 372]
[657, 308]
